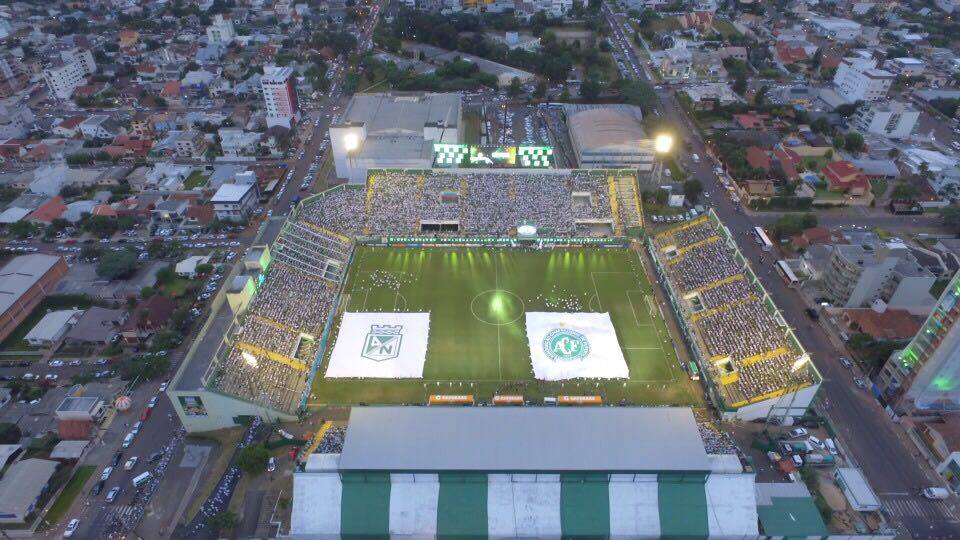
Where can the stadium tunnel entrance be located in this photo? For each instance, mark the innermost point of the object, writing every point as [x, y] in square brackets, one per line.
[452, 226]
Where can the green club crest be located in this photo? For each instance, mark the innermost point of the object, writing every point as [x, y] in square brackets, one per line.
[563, 344]
[383, 342]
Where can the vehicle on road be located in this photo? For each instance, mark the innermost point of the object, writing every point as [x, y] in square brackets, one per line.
[131, 463]
[75, 362]
[56, 363]
[112, 494]
[859, 382]
[155, 456]
[136, 428]
[935, 493]
[98, 487]
[798, 432]
[116, 459]
[845, 362]
[271, 464]
[106, 473]
[71, 528]
[141, 479]
[128, 440]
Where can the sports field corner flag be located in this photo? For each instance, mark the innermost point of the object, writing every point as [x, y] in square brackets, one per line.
[574, 345]
[380, 346]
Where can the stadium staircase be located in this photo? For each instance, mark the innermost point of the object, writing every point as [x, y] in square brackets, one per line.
[715, 284]
[315, 443]
[368, 207]
[691, 247]
[614, 206]
[629, 201]
[722, 308]
[678, 228]
[463, 201]
[273, 323]
[751, 360]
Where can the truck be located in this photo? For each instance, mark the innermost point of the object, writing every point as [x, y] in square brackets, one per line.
[819, 460]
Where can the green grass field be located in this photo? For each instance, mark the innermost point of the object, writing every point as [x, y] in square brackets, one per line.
[477, 342]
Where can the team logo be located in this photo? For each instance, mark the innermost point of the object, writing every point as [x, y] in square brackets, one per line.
[564, 344]
[382, 343]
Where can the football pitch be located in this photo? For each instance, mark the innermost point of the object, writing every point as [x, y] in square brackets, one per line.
[477, 341]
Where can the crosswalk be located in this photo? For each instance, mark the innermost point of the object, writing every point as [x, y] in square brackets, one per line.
[907, 506]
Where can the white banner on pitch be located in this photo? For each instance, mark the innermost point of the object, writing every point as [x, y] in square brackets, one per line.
[574, 345]
[380, 346]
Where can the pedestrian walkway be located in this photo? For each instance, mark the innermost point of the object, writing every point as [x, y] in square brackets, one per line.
[900, 506]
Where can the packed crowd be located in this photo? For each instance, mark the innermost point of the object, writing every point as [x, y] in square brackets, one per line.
[290, 306]
[332, 441]
[716, 441]
[482, 203]
[733, 322]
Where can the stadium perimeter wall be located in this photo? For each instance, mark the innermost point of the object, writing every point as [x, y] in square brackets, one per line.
[791, 401]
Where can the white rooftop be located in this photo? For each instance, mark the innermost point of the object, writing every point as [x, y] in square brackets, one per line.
[231, 193]
[51, 324]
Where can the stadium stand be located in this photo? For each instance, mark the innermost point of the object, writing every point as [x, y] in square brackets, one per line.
[743, 343]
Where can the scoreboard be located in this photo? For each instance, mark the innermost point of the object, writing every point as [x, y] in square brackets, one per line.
[470, 156]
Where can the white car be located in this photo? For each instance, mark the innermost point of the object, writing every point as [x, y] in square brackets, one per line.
[136, 428]
[71, 528]
[56, 363]
[798, 432]
[816, 442]
[131, 463]
[112, 494]
[106, 473]
[271, 465]
[51, 376]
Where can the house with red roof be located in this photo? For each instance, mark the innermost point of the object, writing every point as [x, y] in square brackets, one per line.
[790, 54]
[104, 210]
[752, 120]
[701, 20]
[846, 177]
[786, 162]
[146, 72]
[70, 127]
[49, 211]
[171, 91]
[129, 147]
[758, 158]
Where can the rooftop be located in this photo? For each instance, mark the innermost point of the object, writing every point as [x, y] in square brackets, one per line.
[23, 272]
[231, 193]
[402, 112]
[472, 439]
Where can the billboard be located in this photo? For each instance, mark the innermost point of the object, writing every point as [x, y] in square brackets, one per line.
[487, 157]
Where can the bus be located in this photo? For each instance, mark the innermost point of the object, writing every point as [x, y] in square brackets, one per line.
[694, 371]
[762, 239]
[787, 274]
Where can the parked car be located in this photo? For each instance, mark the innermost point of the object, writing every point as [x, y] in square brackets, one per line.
[56, 363]
[271, 465]
[845, 362]
[796, 433]
[75, 362]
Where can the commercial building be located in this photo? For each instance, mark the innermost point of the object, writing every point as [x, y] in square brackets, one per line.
[21, 487]
[100, 126]
[924, 375]
[892, 119]
[392, 131]
[836, 28]
[609, 137]
[868, 270]
[96, 327]
[24, 283]
[859, 79]
[69, 71]
[514, 472]
[52, 327]
[221, 30]
[190, 144]
[89, 408]
[912, 67]
[280, 96]
[234, 202]
[13, 75]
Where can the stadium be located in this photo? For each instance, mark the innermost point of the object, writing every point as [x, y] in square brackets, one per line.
[486, 286]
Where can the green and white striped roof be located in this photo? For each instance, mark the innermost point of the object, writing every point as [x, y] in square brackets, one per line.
[328, 503]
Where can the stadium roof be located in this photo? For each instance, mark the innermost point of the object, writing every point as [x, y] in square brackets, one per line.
[611, 128]
[402, 112]
[523, 439]
[23, 272]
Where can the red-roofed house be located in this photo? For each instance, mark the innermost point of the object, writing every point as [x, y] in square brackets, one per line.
[49, 211]
[790, 54]
[129, 146]
[815, 235]
[148, 317]
[104, 210]
[786, 161]
[758, 158]
[13, 149]
[69, 127]
[752, 120]
[146, 72]
[171, 91]
[891, 324]
[844, 176]
[701, 20]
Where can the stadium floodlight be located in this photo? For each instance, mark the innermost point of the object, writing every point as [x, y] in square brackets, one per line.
[800, 363]
[250, 359]
[663, 143]
[351, 142]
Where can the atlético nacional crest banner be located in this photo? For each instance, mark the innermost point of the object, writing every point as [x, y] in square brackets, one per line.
[380, 345]
[574, 345]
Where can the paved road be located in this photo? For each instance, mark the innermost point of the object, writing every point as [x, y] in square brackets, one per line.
[879, 447]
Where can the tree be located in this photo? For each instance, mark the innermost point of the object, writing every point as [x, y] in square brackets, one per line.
[21, 229]
[692, 189]
[853, 142]
[117, 264]
[821, 125]
[791, 224]
[148, 368]
[540, 91]
[951, 218]
[253, 459]
[9, 433]
[204, 268]
[639, 93]
[222, 520]
[101, 226]
[589, 89]
[515, 88]
[904, 191]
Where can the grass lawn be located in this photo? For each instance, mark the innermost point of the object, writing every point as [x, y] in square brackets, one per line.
[878, 186]
[477, 342]
[176, 288]
[67, 496]
[827, 195]
[195, 180]
[725, 28]
[15, 342]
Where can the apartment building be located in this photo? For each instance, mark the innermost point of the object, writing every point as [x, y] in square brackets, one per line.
[859, 79]
[891, 119]
[280, 96]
